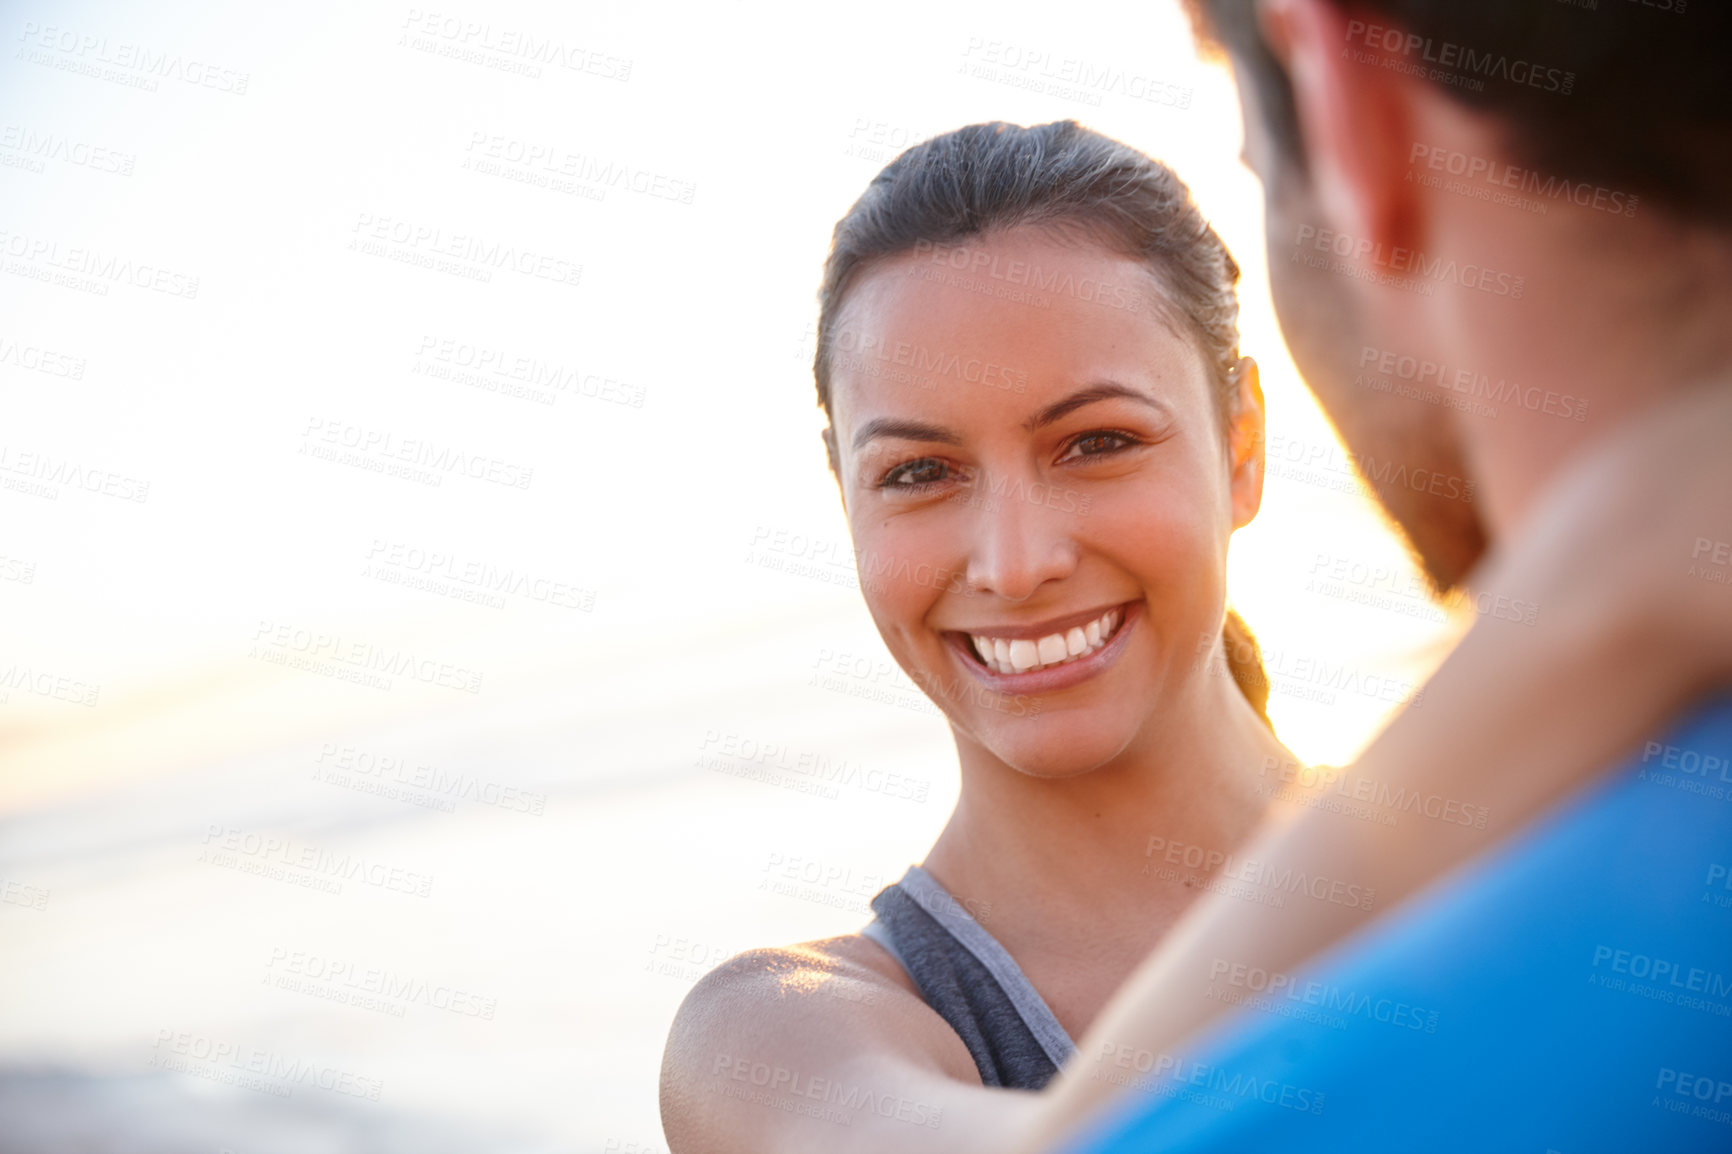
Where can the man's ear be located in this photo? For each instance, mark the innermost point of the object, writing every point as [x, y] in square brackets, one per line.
[1245, 444]
[1356, 120]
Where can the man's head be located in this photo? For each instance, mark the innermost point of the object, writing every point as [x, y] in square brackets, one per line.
[1449, 183]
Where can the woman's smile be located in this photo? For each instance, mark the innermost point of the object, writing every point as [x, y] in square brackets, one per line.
[1045, 656]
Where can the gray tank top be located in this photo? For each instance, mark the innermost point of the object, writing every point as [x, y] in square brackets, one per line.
[973, 984]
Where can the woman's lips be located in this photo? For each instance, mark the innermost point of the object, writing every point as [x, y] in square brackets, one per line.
[1028, 649]
[1050, 677]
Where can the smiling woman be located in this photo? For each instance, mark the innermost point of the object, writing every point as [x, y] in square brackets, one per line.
[1044, 436]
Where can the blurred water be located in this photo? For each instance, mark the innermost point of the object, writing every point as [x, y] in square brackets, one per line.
[566, 919]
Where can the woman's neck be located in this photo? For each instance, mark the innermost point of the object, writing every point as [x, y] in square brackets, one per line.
[1086, 873]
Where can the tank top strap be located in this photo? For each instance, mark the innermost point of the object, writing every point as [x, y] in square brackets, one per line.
[971, 981]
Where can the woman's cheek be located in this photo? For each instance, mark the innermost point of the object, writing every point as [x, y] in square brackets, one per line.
[1169, 543]
[892, 561]
[1156, 530]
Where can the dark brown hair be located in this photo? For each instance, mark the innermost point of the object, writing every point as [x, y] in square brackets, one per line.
[993, 177]
[1632, 96]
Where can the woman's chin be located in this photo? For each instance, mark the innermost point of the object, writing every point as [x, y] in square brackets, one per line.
[1056, 754]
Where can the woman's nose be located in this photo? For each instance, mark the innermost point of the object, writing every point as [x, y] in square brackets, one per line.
[1018, 540]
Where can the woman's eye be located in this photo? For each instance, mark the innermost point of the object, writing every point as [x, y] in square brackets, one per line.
[915, 474]
[1099, 443]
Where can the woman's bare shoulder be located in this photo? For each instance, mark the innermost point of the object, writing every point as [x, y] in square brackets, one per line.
[791, 998]
[773, 1042]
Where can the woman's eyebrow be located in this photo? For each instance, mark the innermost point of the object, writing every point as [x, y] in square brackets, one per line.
[1106, 390]
[924, 431]
[908, 430]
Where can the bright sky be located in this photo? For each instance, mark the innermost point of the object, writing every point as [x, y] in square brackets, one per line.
[687, 323]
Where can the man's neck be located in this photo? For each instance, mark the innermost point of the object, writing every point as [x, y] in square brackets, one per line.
[1613, 321]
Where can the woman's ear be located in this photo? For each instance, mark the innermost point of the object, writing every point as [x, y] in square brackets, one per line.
[1245, 443]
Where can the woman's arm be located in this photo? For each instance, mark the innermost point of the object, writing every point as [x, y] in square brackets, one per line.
[1518, 718]
[790, 1051]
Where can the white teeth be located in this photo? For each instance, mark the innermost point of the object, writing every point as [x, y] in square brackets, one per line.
[1024, 654]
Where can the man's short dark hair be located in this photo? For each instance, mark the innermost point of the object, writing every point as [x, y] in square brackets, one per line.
[1631, 95]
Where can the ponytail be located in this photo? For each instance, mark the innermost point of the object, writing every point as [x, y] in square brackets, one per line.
[1245, 662]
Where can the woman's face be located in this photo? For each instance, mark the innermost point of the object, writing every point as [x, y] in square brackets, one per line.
[1041, 491]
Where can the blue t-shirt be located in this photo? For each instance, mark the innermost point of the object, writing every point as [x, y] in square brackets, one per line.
[1570, 992]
